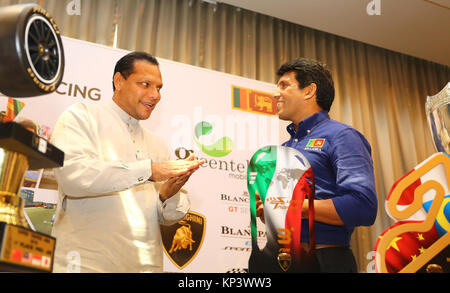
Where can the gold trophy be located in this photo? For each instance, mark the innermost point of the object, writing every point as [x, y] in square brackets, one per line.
[31, 64]
[437, 108]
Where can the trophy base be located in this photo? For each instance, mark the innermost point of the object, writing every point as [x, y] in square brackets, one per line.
[23, 250]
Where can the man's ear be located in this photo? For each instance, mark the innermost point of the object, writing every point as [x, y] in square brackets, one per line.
[310, 91]
[118, 79]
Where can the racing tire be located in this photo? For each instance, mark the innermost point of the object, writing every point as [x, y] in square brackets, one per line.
[31, 52]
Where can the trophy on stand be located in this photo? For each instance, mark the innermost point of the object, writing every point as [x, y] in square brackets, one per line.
[31, 64]
[281, 178]
[438, 113]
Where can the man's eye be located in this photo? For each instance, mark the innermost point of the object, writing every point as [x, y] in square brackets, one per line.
[145, 84]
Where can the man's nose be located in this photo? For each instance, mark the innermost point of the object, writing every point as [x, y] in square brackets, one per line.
[154, 93]
[276, 94]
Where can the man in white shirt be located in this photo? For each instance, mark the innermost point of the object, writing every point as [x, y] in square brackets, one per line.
[117, 184]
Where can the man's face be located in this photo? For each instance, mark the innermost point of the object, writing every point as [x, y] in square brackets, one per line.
[290, 97]
[140, 92]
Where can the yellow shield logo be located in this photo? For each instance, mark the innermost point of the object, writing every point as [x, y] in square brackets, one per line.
[284, 260]
[182, 241]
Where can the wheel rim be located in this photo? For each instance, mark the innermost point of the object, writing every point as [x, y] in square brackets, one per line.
[43, 49]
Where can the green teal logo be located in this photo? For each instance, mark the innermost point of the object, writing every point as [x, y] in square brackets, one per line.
[220, 148]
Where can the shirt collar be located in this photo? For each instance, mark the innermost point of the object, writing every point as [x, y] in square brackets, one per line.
[305, 126]
[124, 116]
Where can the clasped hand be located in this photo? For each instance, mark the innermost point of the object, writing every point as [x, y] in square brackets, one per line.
[176, 173]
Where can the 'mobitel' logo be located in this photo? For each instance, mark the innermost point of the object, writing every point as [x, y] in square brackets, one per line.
[253, 101]
[182, 241]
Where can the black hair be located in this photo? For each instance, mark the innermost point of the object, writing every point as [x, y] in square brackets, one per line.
[309, 71]
[126, 64]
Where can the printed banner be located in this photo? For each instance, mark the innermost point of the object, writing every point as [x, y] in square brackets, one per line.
[419, 202]
[218, 117]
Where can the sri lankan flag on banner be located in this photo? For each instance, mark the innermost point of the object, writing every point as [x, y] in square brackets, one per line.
[13, 109]
[282, 177]
[253, 101]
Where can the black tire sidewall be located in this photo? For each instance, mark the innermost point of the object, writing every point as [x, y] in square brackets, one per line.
[19, 78]
[25, 18]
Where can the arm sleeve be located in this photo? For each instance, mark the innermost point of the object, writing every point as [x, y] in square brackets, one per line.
[173, 209]
[84, 173]
[356, 201]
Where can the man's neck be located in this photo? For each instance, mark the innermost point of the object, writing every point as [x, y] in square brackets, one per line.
[304, 116]
[116, 101]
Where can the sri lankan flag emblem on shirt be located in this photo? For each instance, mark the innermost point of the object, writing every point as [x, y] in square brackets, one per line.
[315, 143]
[253, 101]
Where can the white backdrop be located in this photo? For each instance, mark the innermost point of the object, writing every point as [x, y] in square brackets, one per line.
[190, 95]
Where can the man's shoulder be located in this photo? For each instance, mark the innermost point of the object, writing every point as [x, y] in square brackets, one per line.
[82, 106]
[83, 110]
[335, 127]
[339, 129]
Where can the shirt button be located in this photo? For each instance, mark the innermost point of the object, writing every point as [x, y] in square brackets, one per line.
[308, 131]
[296, 140]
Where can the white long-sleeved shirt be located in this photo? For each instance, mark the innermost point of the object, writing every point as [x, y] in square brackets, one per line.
[108, 213]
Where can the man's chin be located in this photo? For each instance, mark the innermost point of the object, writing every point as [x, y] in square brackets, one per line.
[281, 116]
[144, 116]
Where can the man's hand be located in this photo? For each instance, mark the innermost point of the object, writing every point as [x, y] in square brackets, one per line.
[259, 208]
[164, 170]
[173, 185]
